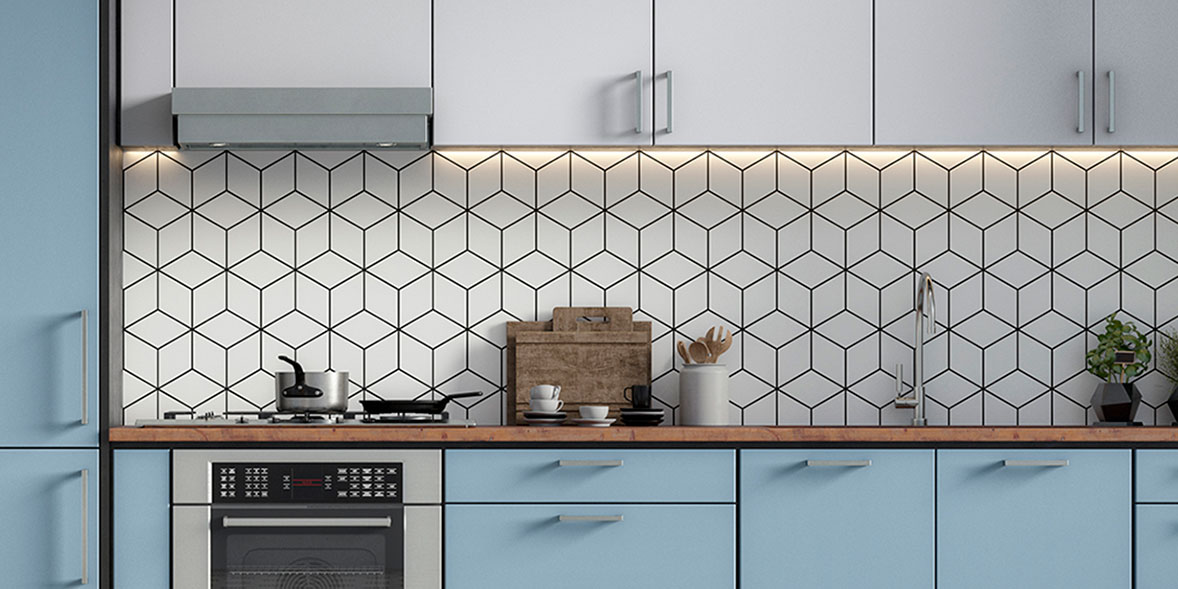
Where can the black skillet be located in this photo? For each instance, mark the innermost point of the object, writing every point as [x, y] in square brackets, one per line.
[424, 406]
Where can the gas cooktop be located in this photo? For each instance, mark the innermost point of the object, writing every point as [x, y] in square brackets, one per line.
[268, 418]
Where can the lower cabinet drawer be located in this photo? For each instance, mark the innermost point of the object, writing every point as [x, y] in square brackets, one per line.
[590, 546]
[1157, 546]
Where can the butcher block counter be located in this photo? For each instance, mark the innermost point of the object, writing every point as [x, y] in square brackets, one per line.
[645, 436]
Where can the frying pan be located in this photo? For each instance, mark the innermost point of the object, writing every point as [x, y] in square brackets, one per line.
[429, 406]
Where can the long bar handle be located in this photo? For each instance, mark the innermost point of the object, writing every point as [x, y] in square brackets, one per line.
[857, 463]
[1080, 101]
[1112, 101]
[85, 367]
[638, 102]
[589, 518]
[614, 463]
[670, 102]
[85, 526]
[306, 522]
[1054, 463]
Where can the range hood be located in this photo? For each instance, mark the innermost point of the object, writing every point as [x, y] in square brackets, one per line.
[302, 117]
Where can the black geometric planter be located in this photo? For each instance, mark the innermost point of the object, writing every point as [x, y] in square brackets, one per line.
[1116, 402]
[1172, 403]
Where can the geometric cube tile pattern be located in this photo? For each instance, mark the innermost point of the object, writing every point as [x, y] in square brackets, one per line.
[402, 269]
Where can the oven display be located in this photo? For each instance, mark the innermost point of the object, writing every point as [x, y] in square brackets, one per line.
[302, 482]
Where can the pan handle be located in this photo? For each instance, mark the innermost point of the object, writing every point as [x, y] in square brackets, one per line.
[462, 395]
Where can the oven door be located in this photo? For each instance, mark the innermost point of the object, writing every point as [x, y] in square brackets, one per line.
[387, 546]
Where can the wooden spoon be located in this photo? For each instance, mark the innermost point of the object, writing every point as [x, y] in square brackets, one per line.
[699, 351]
[683, 353]
[722, 346]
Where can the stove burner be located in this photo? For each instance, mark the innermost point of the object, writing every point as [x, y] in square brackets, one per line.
[407, 418]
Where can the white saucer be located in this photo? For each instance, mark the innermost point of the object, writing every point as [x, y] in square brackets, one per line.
[545, 421]
[594, 422]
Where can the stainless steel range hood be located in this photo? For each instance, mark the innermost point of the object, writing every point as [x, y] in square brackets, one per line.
[302, 117]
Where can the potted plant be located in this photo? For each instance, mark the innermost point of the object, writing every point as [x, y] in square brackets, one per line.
[1168, 365]
[1120, 355]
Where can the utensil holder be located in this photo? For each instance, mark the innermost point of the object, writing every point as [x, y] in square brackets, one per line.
[703, 394]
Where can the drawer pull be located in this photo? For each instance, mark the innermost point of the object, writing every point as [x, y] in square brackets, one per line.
[589, 463]
[838, 463]
[589, 518]
[1034, 463]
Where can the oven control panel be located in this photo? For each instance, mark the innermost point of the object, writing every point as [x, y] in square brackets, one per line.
[303, 482]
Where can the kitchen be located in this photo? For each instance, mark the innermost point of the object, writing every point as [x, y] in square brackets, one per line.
[458, 293]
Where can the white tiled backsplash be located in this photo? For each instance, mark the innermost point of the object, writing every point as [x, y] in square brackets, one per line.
[402, 269]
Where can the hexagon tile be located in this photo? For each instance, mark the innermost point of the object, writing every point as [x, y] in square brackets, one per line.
[401, 268]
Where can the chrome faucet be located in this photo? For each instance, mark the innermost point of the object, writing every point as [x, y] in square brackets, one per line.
[925, 305]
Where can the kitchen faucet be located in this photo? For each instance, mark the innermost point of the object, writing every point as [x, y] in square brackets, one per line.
[924, 300]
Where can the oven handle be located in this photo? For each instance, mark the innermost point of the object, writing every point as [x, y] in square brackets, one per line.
[306, 522]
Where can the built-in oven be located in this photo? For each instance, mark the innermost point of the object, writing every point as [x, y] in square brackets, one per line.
[306, 518]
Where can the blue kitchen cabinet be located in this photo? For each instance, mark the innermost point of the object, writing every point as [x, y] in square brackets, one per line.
[1033, 518]
[583, 546]
[49, 223]
[837, 518]
[1157, 543]
[142, 518]
[49, 510]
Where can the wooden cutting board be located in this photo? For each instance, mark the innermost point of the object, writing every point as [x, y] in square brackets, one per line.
[593, 353]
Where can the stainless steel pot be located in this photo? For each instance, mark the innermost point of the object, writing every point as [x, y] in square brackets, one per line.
[315, 392]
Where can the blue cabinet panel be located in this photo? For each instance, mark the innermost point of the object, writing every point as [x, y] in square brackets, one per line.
[42, 493]
[590, 476]
[680, 546]
[48, 220]
[1157, 476]
[1033, 522]
[837, 518]
[142, 518]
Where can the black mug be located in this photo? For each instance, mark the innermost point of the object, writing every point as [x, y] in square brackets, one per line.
[639, 396]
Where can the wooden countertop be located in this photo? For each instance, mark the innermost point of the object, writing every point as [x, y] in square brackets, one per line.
[643, 435]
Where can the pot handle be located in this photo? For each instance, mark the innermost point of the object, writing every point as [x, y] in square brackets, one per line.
[300, 388]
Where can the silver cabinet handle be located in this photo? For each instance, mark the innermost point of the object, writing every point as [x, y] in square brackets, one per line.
[85, 366]
[589, 463]
[589, 518]
[638, 102]
[306, 522]
[1080, 101]
[1112, 101]
[838, 463]
[1034, 463]
[670, 102]
[85, 526]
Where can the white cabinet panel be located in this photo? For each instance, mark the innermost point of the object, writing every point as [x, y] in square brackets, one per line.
[999, 72]
[538, 72]
[750, 72]
[1135, 41]
[279, 43]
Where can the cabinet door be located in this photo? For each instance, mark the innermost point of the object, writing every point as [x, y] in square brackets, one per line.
[1135, 76]
[836, 518]
[49, 508]
[142, 518]
[1157, 543]
[302, 43]
[49, 223]
[1022, 518]
[537, 72]
[591, 546]
[999, 72]
[750, 72]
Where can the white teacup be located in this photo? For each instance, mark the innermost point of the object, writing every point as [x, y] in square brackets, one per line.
[545, 391]
[594, 411]
[547, 405]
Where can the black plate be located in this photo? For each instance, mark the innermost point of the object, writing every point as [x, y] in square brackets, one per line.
[424, 406]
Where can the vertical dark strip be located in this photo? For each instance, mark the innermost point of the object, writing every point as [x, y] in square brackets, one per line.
[110, 246]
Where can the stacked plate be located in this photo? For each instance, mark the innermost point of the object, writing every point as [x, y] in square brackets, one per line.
[545, 417]
[641, 417]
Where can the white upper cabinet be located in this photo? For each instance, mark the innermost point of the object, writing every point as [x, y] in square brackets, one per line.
[994, 72]
[1136, 78]
[542, 72]
[302, 43]
[751, 72]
